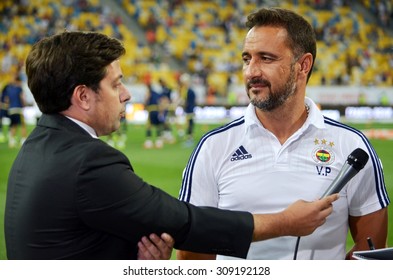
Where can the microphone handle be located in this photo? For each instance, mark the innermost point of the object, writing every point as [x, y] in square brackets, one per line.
[346, 174]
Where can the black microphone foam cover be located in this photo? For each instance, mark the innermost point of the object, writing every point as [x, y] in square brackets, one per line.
[358, 159]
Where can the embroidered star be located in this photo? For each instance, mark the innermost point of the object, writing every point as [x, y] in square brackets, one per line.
[323, 141]
[331, 144]
[316, 141]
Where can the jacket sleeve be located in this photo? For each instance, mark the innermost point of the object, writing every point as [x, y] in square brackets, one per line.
[112, 198]
[216, 231]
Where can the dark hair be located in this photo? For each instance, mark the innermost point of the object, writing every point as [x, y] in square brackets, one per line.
[301, 35]
[59, 63]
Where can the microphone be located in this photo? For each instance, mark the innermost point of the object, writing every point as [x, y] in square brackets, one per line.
[354, 163]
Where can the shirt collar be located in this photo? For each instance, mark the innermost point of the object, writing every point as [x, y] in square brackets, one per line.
[86, 127]
[315, 116]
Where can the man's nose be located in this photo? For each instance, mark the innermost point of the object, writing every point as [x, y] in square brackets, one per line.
[252, 70]
[125, 95]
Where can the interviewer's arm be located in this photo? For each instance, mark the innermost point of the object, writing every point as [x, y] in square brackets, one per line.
[299, 219]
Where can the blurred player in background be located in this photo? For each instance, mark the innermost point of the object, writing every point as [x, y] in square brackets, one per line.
[3, 115]
[156, 106]
[15, 101]
[169, 109]
[188, 101]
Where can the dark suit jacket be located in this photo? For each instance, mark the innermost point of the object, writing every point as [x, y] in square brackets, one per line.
[71, 196]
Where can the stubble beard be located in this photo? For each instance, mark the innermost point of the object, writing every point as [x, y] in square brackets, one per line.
[275, 98]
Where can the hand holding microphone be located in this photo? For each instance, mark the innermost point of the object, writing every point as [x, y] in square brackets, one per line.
[354, 163]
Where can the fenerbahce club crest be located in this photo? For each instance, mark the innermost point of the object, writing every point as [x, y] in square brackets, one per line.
[323, 154]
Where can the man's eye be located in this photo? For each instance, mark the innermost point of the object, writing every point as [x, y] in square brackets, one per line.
[266, 58]
[246, 60]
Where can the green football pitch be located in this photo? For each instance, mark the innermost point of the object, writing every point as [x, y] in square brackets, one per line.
[168, 164]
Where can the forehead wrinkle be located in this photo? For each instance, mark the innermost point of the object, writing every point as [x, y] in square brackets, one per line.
[267, 40]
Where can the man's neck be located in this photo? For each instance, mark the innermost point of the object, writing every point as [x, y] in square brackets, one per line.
[283, 122]
[83, 125]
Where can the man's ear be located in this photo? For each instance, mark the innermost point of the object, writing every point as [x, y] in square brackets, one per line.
[306, 63]
[81, 97]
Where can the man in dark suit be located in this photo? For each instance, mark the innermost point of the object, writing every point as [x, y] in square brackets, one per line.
[72, 196]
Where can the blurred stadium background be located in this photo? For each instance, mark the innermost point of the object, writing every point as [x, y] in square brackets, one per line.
[165, 38]
[352, 79]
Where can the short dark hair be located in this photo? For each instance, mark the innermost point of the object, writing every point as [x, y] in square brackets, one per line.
[59, 63]
[301, 35]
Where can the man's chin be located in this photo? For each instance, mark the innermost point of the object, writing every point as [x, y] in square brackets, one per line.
[262, 105]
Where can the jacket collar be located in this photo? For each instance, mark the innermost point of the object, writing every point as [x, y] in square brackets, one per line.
[60, 122]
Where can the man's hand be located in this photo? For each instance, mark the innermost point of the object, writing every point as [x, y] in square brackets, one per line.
[299, 219]
[155, 247]
[303, 218]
